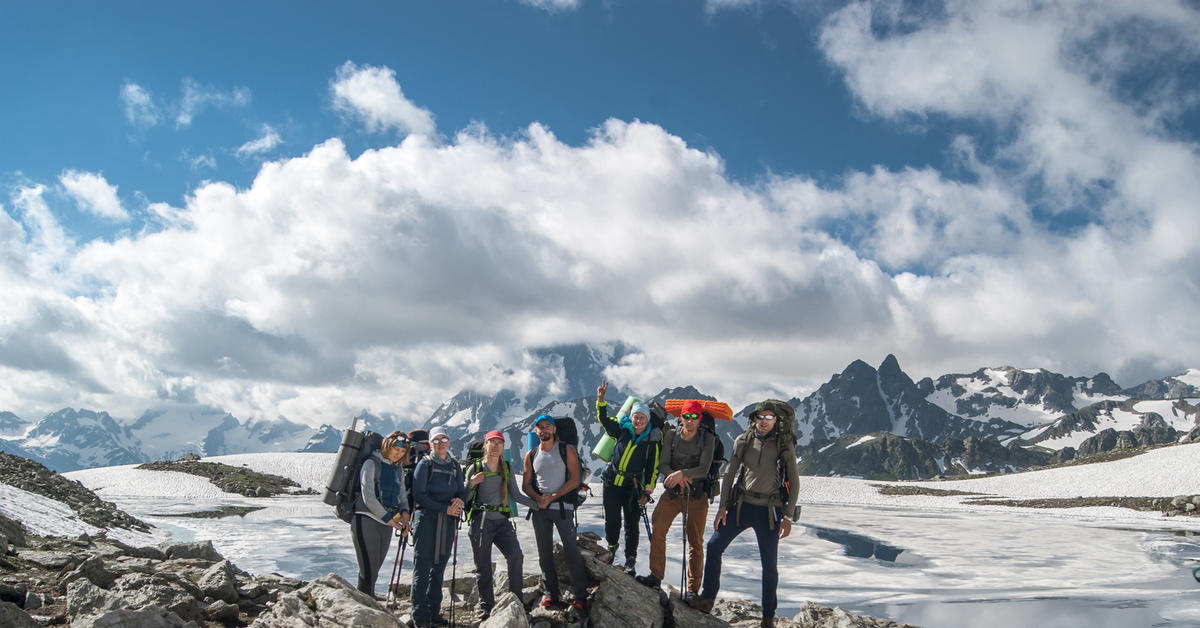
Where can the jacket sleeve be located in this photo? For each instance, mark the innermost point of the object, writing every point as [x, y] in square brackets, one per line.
[653, 449]
[664, 460]
[368, 479]
[731, 473]
[402, 505]
[706, 456]
[611, 427]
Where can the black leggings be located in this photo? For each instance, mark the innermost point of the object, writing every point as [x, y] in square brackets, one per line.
[622, 501]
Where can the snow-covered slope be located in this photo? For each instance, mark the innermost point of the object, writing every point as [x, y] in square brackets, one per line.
[1026, 397]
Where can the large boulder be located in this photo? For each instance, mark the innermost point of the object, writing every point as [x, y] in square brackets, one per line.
[621, 602]
[203, 550]
[684, 615]
[148, 617]
[142, 590]
[85, 598]
[92, 570]
[508, 613]
[220, 583]
[816, 616]
[11, 616]
[327, 601]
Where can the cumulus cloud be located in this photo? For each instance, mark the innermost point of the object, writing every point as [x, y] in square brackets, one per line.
[140, 109]
[394, 278]
[93, 194]
[266, 142]
[197, 97]
[372, 96]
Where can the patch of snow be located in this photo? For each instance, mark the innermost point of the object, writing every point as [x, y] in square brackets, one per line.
[47, 517]
[861, 441]
[1170, 411]
[1116, 418]
[1190, 377]
[822, 450]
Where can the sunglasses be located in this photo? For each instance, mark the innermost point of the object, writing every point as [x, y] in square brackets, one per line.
[691, 417]
[764, 417]
[440, 440]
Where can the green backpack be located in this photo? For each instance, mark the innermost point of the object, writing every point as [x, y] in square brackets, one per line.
[785, 438]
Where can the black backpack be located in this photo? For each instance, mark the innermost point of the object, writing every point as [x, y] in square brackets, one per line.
[344, 508]
[418, 442]
[568, 434]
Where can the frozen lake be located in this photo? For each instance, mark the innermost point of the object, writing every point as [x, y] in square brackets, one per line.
[938, 569]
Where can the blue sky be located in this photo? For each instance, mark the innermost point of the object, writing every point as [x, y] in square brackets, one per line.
[312, 208]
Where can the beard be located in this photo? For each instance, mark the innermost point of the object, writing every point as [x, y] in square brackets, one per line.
[545, 437]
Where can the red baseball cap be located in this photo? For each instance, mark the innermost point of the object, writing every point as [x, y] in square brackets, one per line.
[494, 434]
[691, 406]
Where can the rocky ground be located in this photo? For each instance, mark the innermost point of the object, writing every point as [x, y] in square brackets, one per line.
[1186, 505]
[239, 480]
[33, 477]
[95, 582]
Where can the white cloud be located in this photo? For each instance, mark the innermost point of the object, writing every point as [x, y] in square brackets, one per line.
[266, 142]
[372, 95]
[196, 97]
[392, 279]
[140, 109]
[93, 194]
[205, 160]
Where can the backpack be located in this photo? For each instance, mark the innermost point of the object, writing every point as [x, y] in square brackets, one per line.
[418, 442]
[710, 485]
[475, 464]
[785, 439]
[344, 484]
[568, 434]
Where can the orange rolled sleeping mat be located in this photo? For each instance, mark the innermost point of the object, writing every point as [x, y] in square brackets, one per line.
[719, 409]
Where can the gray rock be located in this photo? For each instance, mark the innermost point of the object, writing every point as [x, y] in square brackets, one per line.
[328, 600]
[141, 590]
[91, 569]
[11, 616]
[734, 611]
[685, 615]
[463, 578]
[816, 616]
[508, 613]
[222, 611]
[148, 617]
[51, 560]
[218, 582]
[196, 549]
[621, 601]
[34, 601]
[85, 598]
[126, 565]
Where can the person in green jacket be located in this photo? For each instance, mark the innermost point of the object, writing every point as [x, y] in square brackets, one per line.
[631, 473]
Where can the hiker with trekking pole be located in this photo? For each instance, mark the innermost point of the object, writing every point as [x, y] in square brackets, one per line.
[631, 474]
[759, 491]
[552, 479]
[688, 454]
[494, 495]
[439, 489]
[380, 508]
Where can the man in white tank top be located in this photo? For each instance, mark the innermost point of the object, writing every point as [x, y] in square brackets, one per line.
[552, 473]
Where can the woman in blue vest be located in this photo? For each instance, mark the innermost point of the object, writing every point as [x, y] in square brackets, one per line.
[382, 505]
[439, 491]
[491, 485]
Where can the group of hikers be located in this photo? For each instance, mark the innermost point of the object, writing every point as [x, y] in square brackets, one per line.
[401, 480]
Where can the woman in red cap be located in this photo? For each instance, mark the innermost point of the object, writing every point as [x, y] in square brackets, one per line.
[490, 485]
[687, 456]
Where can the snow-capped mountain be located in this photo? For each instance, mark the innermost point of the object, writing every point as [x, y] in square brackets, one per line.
[1165, 418]
[865, 400]
[68, 440]
[327, 438]
[1026, 397]
[1179, 386]
[12, 425]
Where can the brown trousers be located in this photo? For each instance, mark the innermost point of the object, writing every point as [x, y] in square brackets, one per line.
[664, 515]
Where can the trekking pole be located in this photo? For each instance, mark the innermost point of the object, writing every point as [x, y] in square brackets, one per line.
[454, 573]
[391, 594]
[393, 588]
[686, 547]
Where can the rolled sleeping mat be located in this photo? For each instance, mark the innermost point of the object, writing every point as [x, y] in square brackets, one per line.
[603, 449]
[343, 467]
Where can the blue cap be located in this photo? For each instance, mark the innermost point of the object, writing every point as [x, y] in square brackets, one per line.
[544, 417]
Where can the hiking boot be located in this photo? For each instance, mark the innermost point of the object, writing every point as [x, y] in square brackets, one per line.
[578, 608]
[612, 553]
[439, 621]
[631, 565]
[768, 622]
[549, 602]
[702, 604]
[651, 581]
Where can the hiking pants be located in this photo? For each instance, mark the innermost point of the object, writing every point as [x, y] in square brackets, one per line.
[371, 541]
[759, 518]
[665, 513]
[545, 520]
[430, 555]
[621, 501]
[484, 533]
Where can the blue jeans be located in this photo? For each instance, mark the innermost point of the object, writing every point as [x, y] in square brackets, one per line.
[498, 532]
[759, 518]
[429, 563]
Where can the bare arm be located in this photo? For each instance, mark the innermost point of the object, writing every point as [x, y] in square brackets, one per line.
[526, 486]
